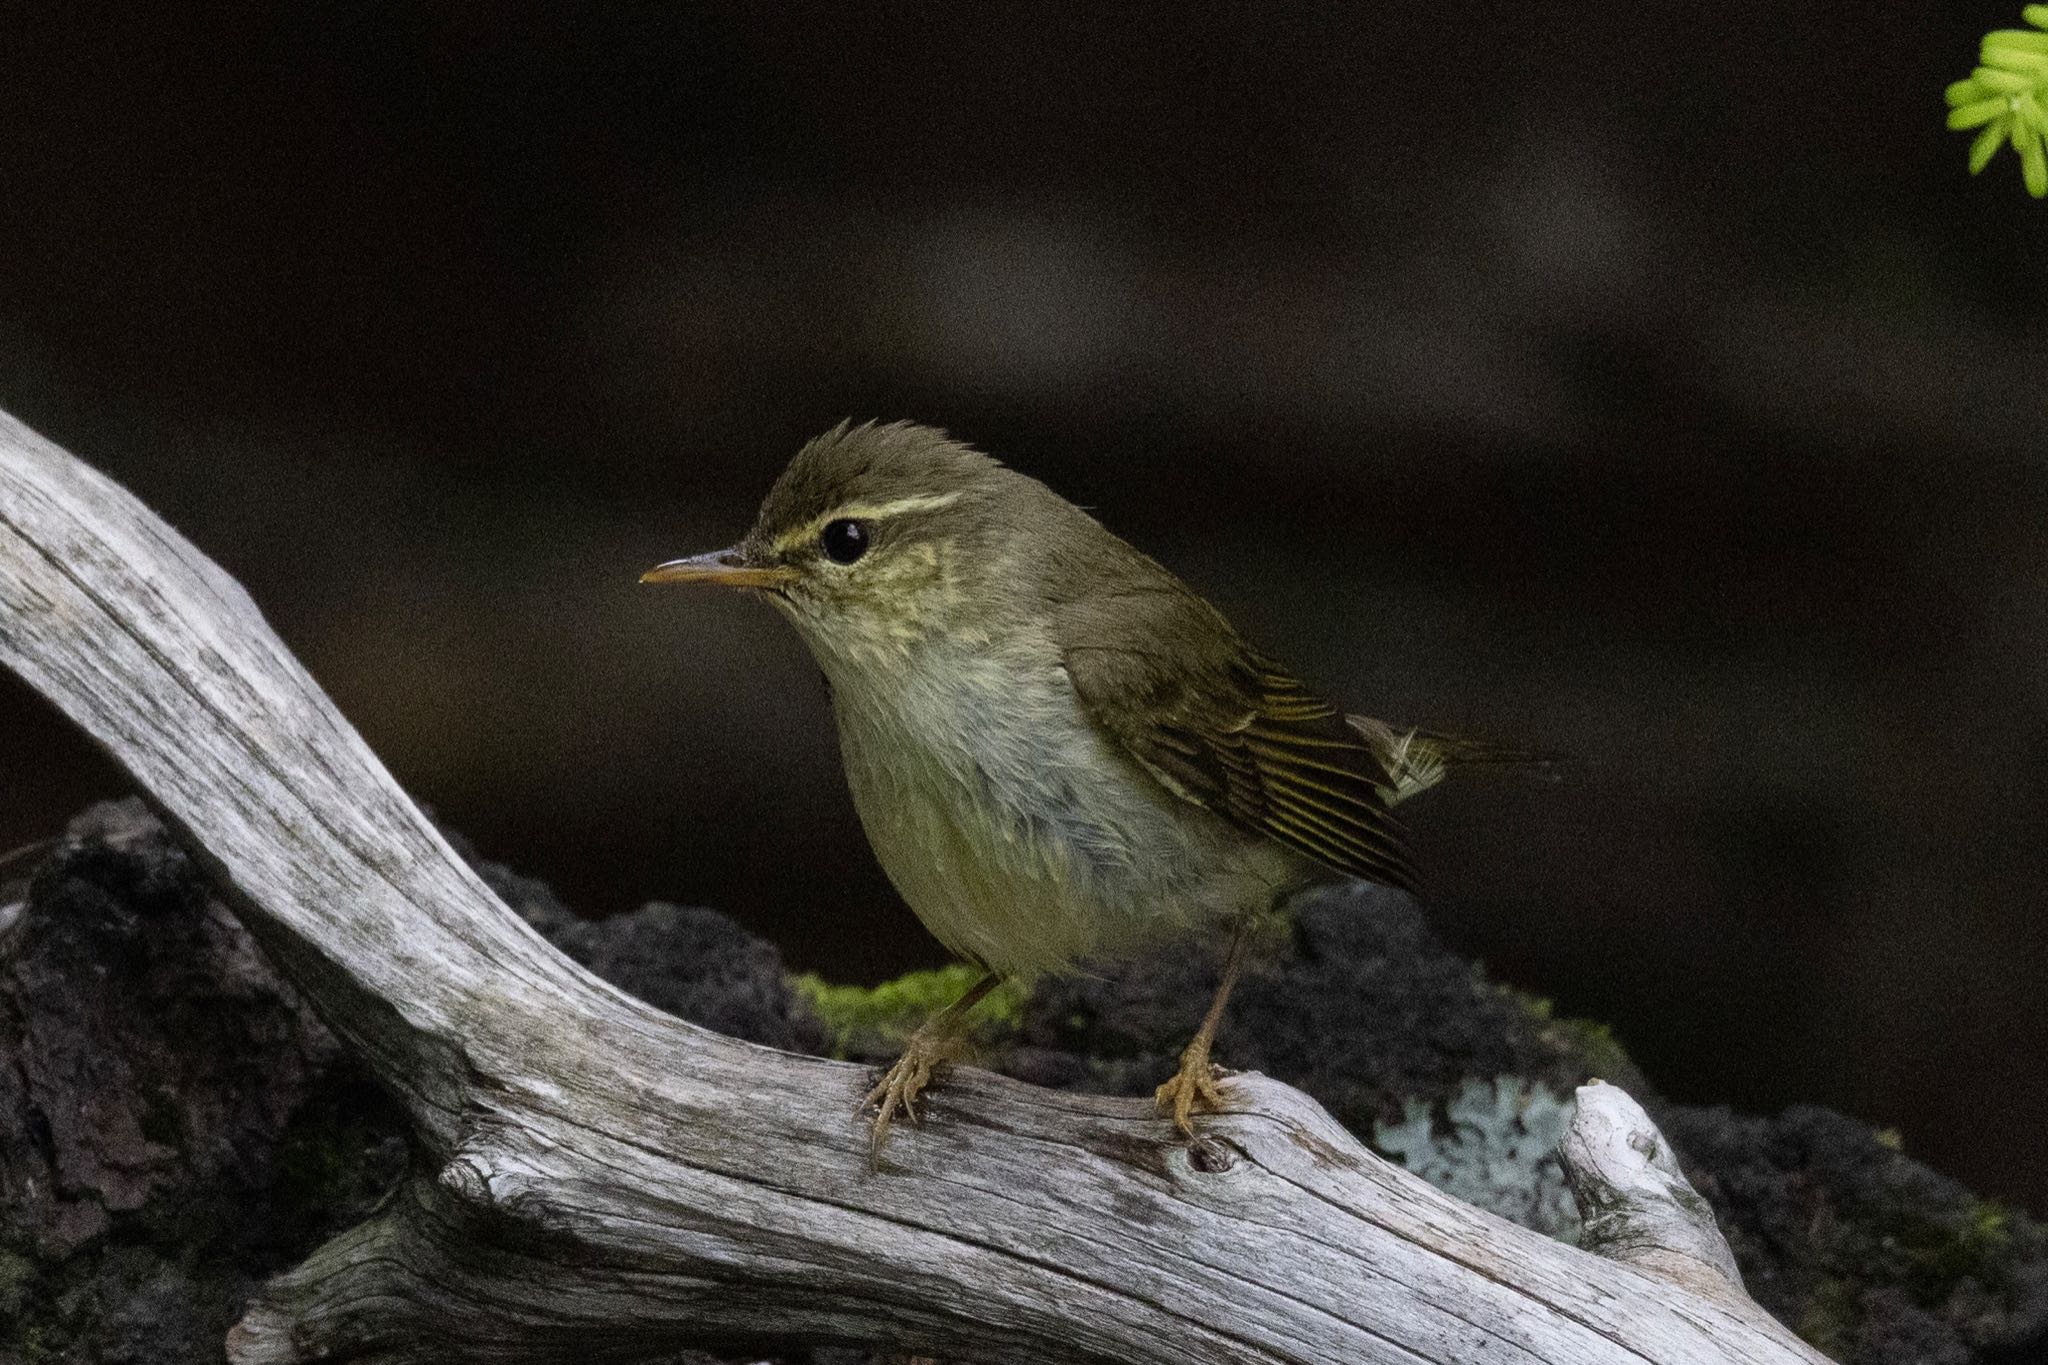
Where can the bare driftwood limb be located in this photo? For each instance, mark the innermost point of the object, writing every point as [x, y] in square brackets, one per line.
[605, 1182]
[1636, 1205]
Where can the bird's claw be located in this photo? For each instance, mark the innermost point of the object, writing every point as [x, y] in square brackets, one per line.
[1194, 1087]
[900, 1088]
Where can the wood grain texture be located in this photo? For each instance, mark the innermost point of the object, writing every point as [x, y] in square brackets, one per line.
[603, 1182]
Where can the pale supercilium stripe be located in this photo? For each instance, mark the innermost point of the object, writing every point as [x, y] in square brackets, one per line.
[866, 511]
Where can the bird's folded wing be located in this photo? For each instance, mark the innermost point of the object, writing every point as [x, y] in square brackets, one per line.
[1218, 724]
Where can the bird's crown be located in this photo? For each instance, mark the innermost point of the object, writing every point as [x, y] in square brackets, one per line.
[871, 473]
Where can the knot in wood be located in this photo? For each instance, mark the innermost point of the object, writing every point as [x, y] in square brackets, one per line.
[1213, 1155]
[465, 1179]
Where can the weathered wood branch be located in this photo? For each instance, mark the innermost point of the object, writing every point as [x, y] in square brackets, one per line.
[609, 1183]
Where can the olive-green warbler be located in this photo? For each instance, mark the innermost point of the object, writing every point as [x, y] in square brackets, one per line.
[1058, 750]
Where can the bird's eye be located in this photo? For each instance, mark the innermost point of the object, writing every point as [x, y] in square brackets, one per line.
[844, 540]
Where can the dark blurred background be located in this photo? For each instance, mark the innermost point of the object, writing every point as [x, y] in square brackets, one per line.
[1644, 381]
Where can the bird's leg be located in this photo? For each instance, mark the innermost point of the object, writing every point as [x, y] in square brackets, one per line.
[934, 1042]
[1194, 1085]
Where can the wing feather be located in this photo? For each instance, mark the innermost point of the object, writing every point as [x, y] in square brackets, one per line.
[1219, 725]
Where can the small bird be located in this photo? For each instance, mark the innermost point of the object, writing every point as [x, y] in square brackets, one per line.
[1057, 749]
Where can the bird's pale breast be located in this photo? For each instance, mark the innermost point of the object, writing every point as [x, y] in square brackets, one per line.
[1018, 835]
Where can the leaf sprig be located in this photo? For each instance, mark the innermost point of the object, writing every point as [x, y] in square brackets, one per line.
[2006, 99]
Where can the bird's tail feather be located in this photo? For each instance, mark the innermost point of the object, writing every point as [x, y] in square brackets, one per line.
[1417, 760]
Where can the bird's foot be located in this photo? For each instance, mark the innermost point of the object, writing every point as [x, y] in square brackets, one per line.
[898, 1090]
[1192, 1088]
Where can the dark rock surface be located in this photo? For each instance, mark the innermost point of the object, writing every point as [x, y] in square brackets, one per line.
[175, 1125]
[1866, 1253]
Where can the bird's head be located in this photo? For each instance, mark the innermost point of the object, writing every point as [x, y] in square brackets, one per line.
[875, 539]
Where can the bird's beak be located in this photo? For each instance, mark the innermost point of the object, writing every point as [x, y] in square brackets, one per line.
[732, 568]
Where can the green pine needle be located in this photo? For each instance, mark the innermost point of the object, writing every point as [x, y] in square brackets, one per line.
[2006, 99]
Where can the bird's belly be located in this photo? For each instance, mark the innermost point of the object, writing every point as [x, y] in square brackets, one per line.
[1022, 841]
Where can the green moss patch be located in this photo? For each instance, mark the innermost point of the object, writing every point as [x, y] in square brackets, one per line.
[864, 1020]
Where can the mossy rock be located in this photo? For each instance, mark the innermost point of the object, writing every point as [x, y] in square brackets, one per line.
[872, 1022]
